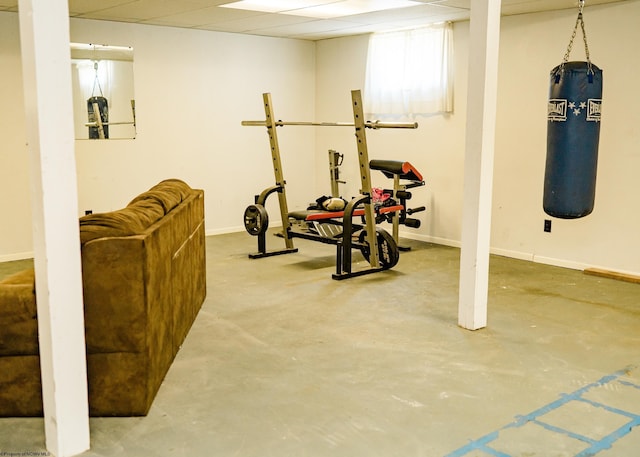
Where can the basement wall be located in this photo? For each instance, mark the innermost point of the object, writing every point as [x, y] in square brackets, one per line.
[530, 46]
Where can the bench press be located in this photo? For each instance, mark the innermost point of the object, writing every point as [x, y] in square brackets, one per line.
[339, 228]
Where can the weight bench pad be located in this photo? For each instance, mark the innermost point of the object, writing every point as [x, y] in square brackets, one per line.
[317, 215]
[395, 167]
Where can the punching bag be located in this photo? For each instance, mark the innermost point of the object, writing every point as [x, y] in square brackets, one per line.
[98, 110]
[573, 134]
[100, 105]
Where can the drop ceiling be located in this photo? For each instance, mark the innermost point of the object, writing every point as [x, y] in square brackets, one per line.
[210, 15]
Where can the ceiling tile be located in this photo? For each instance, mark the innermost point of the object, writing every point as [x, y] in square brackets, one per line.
[275, 6]
[351, 7]
[530, 6]
[424, 12]
[466, 4]
[205, 16]
[323, 27]
[262, 21]
[147, 9]
[86, 6]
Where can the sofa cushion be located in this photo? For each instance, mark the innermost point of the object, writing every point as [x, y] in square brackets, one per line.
[168, 193]
[132, 220]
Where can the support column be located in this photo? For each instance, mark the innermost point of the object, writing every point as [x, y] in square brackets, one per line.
[46, 66]
[484, 38]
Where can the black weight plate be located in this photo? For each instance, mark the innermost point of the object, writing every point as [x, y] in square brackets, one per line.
[256, 220]
[388, 252]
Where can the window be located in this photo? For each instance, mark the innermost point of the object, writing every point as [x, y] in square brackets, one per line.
[409, 72]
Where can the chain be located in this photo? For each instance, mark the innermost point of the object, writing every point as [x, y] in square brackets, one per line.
[584, 34]
[579, 21]
[96, 80]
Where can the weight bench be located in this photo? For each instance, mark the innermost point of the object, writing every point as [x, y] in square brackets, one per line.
[376, 245]
[327, 223]
[319, 215]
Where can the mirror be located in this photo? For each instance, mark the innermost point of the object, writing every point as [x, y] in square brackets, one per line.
[103, 99]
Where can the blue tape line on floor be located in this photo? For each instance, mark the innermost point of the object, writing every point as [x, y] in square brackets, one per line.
[629, 384]
[562, 431]
[483, 443]
[607, 441]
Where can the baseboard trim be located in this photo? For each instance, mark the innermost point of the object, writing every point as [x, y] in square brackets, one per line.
[613, 275]
[16, 256]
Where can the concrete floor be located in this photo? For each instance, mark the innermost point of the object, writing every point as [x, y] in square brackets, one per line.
[284, 361]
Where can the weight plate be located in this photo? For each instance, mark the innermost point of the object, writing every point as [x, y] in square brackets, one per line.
[256, 220]
[388, 252]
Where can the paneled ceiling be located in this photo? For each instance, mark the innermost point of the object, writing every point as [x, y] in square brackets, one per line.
[209, 15]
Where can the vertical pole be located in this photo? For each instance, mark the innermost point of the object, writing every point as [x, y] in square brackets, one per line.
[365, 177]
[46, 65]
[396, 216]
[277, 168]
[484, 37]
[98, 120]
[334, 172]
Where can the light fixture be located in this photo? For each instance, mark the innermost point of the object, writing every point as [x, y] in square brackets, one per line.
[320, 9]
[275, 6]
[351, 7]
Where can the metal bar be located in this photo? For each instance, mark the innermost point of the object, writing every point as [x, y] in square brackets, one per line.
[345, 246]
[95, 124]
[98, 115]
[254, 123]
[277, 169]
[396, 216]
[133, 111]
[334, 172]
[365, 177]
[368, 124]
[391, 125]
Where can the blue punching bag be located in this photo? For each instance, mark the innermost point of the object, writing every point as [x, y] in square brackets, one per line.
[573, 133]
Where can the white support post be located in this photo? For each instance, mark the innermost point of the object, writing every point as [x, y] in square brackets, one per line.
[46, 65]
[484, 38]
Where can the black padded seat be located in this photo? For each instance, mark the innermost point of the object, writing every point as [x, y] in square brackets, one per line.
[302, 215]
[396, 167]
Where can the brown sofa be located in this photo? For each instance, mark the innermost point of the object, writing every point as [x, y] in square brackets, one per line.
[143, 270]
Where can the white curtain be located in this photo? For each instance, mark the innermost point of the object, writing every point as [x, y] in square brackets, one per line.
[409, 73]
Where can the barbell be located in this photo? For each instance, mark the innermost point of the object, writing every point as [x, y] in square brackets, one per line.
[368, 124]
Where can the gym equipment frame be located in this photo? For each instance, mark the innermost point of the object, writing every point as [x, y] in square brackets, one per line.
[377, 246]
[335, 161]
[411, 178]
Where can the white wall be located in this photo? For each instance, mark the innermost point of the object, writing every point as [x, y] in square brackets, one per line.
[436, 148]
[193, 88]
[531, 45]
[15, 230]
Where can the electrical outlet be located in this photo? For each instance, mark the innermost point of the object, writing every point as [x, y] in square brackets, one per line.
[547, 225]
